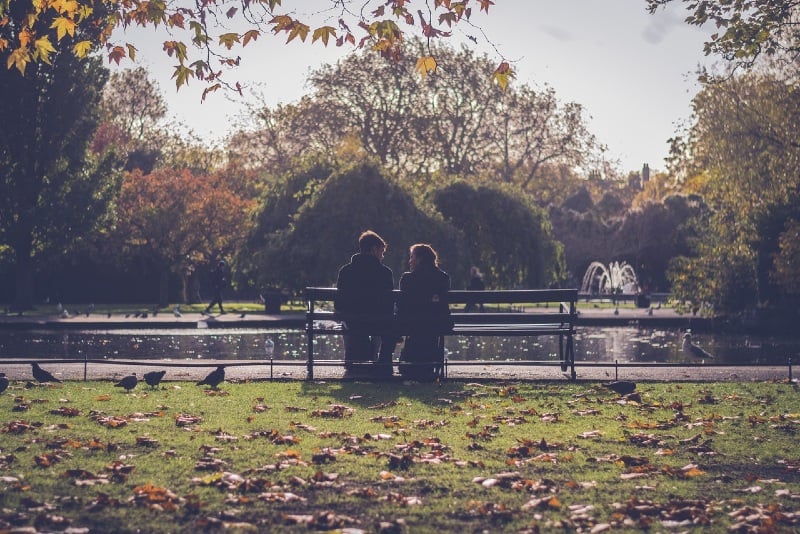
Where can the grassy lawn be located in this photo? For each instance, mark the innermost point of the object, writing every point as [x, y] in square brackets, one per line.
[374, 457]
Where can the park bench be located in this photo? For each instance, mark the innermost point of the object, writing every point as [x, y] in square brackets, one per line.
[523, 312]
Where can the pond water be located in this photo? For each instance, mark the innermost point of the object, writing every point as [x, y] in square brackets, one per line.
[623, 344]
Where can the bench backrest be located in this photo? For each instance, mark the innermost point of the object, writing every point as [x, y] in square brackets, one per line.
[513, 296]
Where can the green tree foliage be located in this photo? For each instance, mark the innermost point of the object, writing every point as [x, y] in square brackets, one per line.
[747, 29]
[787, 259]
[650, 236]
[53, 190]
[505, 235]
[322, 233]
[745, 151]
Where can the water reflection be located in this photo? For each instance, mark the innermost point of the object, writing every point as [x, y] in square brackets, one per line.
[592, 344]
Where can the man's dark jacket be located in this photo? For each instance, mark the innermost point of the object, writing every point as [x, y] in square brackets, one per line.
[365, 289]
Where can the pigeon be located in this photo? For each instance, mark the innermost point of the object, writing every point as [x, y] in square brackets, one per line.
[177, 311]
[153, 378]
[622, 387]
[3, 382]
[691, 349]
[129, 382]
[214, 378]
[41, 375]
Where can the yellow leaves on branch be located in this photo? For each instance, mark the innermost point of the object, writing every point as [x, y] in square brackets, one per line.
[425, 65]
[48, 22]
[502, 75]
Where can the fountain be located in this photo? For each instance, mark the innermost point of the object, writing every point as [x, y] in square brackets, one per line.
[617, 278]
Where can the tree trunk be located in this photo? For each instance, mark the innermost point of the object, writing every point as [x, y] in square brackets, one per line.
[163, 288]
[185, 288]
[24, 296]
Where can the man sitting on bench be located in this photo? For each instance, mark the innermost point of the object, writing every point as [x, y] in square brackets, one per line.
[364, 299]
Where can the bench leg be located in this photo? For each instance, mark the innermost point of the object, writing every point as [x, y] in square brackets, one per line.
[571, 355]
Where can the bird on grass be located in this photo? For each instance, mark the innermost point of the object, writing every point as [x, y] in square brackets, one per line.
[41, 375]
[214, 378]
[153, 378]
[621, 387]
[693, 350]
[129, 382]
[3, 382]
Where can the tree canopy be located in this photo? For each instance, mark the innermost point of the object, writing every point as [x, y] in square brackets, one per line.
[747, 30]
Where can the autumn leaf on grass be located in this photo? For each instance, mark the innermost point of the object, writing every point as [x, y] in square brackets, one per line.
[155, 498]
[324, 456]
[46, 460]
[280, 496]
[184, 419]
[146, 441]
[119, 471]
[112, 421]
[482, 509]
[325, 520]
[67, 412]
[224, 436]
[302, 426]
[335, 411]
[544, 503]
[85, 478]
[18, 427]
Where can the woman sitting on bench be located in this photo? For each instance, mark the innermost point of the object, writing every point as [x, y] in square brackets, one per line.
[423, 309]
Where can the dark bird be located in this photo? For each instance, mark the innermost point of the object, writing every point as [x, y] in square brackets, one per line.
[621, 387]
[214, 378]
[3, 382]
[41, 375]
[242, 316]
[691, 349]
[129, 382]
[153, 378]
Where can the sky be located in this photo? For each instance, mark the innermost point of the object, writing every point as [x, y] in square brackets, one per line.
[633, 73]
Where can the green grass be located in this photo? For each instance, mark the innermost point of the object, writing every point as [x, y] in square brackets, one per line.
[471, 457]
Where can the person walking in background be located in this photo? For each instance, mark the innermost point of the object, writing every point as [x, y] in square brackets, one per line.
[364, 298]
[475, 284]
[424, 307]
[218, 280]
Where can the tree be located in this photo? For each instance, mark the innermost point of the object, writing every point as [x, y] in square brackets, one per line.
[176, 221]
[744, 147]
[748, 29]
[505, 235]
[53, 190]
[453, 123]
[132, 109]
[321, 234]
[33, 31]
